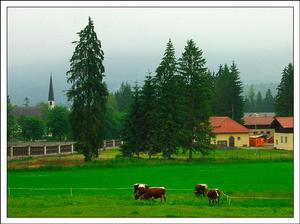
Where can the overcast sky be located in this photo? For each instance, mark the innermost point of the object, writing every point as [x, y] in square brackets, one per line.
[133, 40]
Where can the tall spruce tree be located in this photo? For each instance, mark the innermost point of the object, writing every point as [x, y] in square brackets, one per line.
[268, 102]
[284, 100]
[259, 102]
[124, 96]
[88, 92]
[237, 102]
[131, 134]
[168, 104]
[228, 97]
[197, 98]
[148, 99]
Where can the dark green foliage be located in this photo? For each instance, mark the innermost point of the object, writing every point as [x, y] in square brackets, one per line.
[44, 110]
[88, 92]
[259, 102]
[250, 103]
[11, 123]
[113, 119]
[58, 122]
[268, 102]
[148, 100]
[131, 134]
[197, 96]
[124, 96]
[32, 127]
[256, 103]
[284, 100]
[228, 100]
[168, 104]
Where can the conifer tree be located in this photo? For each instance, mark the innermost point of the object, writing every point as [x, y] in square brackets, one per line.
[168, 104]
[197, 98]
[131, 134]
[268, 102]
[124, 96]
[228, 93]
[284, 101]
[88, 92]
[259, 102]
[148, 100]
[252, 100]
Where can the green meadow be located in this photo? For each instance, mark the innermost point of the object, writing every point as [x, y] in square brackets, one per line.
[103, 188]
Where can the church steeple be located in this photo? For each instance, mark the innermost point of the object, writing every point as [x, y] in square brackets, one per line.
[51, 102]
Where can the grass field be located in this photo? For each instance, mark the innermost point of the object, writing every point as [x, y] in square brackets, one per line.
[262, 177]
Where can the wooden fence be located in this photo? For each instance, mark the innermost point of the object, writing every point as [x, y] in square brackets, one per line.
[20, 150]
[27, 149]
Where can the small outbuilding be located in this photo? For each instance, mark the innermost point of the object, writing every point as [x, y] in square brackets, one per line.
[256, 140]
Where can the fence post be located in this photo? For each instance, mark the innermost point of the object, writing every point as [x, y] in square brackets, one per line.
[29, 150]
[104, 144]
[58, 148]
[45, 150]
[11, 151]
[72, 148]
[114, 143]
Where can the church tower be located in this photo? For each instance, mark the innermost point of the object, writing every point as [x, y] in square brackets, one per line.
[51, 102]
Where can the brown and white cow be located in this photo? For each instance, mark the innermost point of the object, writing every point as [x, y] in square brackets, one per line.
[146, 192]
[200, 189]
[213, 196]
[135, 189]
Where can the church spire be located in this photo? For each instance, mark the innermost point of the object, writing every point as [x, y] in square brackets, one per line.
[51, 102]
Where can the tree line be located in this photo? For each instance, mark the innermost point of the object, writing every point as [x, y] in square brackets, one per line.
[171, 110]
[168, 113]
[255, 102]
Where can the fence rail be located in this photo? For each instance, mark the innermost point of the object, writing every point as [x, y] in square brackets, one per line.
[28, 149]
[21, 150]
[227, 197]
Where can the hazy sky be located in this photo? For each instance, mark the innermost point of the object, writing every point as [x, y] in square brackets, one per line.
[133, 40]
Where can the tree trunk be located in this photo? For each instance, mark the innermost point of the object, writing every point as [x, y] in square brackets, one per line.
[190, 154]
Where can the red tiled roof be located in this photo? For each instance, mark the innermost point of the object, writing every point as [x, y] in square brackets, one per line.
[226, 125]
[286, 122]
[249, 120]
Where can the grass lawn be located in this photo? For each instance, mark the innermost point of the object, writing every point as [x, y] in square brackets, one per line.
[245, 178]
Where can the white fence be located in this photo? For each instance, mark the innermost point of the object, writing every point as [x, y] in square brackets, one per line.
[21, 150]
[27, 149]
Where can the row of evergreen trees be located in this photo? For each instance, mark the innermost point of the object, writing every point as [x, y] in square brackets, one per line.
[256, 103]
[172, 109]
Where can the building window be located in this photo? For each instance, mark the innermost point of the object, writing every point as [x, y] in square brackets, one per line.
[285, 139]
[261, 132]
[255, 132]
[223, 143]
[276, 141]
[238, 138]
[281, 139]
[268, 132]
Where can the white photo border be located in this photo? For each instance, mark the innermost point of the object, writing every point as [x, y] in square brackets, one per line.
[141, 4]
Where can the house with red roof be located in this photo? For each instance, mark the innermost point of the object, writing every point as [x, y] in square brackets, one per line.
[228, 132]
[284, 132]
[259, 125]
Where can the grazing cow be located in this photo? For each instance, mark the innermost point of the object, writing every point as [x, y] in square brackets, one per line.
[146, 192]
[200, 189]
[213, 196]
[135, 189]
